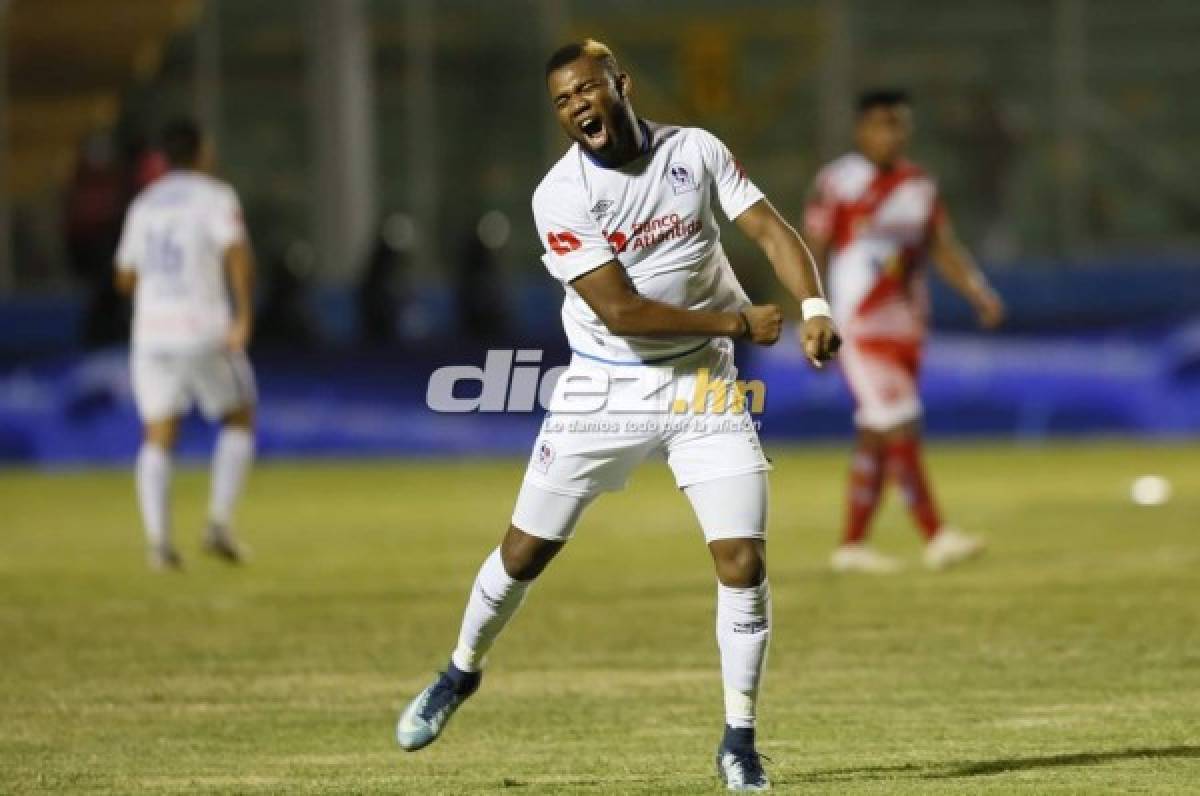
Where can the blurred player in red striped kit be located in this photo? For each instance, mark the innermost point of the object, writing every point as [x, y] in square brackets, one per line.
[872, 219]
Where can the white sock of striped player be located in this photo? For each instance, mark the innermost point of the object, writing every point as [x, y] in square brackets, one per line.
[231, 461]
[154, 493]
[494, 599]
[743, 632]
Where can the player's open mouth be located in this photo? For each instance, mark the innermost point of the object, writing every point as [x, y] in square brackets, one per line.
[593, 130]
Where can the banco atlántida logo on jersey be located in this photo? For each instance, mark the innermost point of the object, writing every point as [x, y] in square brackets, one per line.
[654, 231]
[644, 234]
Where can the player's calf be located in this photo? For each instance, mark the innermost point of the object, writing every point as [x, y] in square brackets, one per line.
[233, 457]
[525, 556]
[497, 593]
[153, 472]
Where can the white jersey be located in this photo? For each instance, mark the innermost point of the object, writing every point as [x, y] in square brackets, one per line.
[654, 215]
[175, 237]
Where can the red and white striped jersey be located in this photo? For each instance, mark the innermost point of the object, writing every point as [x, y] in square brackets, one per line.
[878, 224]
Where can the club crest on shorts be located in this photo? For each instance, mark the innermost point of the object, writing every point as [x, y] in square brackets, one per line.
[543, 457]
[680, 177]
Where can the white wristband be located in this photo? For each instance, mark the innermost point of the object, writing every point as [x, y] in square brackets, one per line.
[815, 308]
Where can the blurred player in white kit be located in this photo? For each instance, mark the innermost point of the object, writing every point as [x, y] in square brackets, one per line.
[183, 253]
[873, 219]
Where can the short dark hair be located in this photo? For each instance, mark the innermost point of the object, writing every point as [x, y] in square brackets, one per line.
[576, 50]
[882, 98]
[181, 142]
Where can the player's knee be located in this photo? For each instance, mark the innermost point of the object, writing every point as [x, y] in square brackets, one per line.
[871, 438]
[906, 430]
[740, 563]
[241, 418]
[162, 433]
[525, 556]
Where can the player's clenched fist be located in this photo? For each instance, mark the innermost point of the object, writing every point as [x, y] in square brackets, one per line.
[763, 324]
[820, 340]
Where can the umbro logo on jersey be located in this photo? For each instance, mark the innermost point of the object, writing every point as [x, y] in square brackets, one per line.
[680, 177]
[602, 208]
[562, 243]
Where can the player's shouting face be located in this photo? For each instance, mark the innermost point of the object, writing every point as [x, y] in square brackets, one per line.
[591, 100]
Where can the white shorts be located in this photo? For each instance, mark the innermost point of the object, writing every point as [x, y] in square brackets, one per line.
[727, 508]
[168, 384]
[882, 376]
[605, 420]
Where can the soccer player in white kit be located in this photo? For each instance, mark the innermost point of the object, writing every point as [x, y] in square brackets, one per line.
[873, 219]
[183, 250]
[651, 304]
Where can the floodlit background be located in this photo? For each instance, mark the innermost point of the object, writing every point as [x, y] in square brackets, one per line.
[386, 150]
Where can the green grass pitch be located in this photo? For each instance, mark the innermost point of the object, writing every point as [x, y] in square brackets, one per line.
[1065, 661]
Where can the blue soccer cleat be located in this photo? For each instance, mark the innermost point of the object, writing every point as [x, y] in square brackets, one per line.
[738, 763]
[426, 716]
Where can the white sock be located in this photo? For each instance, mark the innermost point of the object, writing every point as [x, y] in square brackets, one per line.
[743, 632]
[154, 493]
[495, 597]
[231, 461]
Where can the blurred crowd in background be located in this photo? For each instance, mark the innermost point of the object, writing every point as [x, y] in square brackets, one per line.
[385, 150]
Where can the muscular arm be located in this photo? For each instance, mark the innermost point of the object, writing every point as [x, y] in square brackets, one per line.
[818, 246]
[796, 269]
[958, 268]
[610, 294]
[239, 266]
[789, 256]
